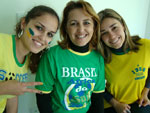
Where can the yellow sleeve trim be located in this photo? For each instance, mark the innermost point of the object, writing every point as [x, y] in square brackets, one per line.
[98, 91]
[46, 92]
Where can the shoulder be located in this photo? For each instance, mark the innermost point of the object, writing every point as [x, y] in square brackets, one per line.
[144, 40]
[5, 39]
[52, 51]
[54, 48]
[5, 36]
[145, 43]
[97, 53]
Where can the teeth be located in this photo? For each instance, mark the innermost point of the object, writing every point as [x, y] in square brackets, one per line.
[37, 43]
[82, 36]
[114, 41]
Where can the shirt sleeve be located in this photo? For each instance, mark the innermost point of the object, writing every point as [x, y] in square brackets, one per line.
[107, 96]
[100, 83]
[45, 73]
[148, 51]
[147, 84]
[97, 103]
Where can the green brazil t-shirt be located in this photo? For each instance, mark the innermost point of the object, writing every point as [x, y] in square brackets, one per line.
[71, 77]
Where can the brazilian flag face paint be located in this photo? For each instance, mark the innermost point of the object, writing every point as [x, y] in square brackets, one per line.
[30, 32]
[49, 42]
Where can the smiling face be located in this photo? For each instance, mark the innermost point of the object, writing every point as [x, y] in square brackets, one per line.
[38, 32]
[80, 27]
[112, 33]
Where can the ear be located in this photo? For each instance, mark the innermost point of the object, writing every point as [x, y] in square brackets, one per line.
[23, 24]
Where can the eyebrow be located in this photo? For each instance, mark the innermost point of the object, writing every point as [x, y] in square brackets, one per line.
[44, 27]
[41, 24]
[87, 20]
[109, 27]
[83, 20]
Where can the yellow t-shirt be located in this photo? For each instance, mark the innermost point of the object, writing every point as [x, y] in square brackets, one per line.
[127, 73]
[10, 68]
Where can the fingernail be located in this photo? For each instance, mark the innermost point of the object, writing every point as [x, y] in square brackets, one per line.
[128, 111]
[41, 93]
[41, 83]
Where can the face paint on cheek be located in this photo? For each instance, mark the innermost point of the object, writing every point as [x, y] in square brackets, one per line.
[49, 42]
[30, 33]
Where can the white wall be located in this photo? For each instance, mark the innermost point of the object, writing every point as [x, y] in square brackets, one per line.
[135, 13]
[147, 32]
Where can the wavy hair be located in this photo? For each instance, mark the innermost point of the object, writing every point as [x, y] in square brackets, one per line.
[88, 9]
[35, 12]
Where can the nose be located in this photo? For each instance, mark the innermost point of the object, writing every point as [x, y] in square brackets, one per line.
[111, 35]
[43, 38]
[80, 28]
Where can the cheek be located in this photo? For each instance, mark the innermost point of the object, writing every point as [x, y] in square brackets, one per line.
[48, 41]
[104, 39]
[70, 32]
[91, 29]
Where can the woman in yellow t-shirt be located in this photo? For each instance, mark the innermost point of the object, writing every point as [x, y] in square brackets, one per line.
[126, 68]
[19, 52]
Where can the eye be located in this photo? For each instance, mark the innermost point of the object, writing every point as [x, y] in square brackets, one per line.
[103, 33]
[50, 35]
[86, 23]
[114, 28]
[39, 28]
[73, 23]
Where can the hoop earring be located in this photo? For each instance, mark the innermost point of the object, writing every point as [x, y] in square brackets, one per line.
[20, 34]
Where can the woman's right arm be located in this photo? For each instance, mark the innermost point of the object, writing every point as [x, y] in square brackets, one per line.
[13, 87]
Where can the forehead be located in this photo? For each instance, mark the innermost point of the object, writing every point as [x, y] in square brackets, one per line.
[47, 20]
[45, 17]
[77, 14]
[107, 22]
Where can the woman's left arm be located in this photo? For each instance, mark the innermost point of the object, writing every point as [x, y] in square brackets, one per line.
[12, 105]
[144, 100]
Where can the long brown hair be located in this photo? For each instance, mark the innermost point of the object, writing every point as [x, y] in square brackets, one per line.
[32, 14]
[88, 9]
[131, 42]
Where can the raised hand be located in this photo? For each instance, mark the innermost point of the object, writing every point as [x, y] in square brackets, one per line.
[13, 87]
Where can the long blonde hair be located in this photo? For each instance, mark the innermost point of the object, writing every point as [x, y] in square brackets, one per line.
[131, 42]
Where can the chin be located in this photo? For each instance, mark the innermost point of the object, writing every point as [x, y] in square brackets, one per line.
[35, 52]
